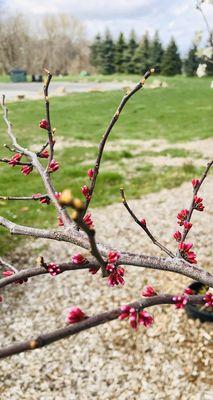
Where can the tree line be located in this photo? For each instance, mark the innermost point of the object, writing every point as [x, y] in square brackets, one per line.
[134, 56]
[57, 42]
[60, 43]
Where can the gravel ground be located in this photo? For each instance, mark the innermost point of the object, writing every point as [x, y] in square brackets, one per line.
[171, 360]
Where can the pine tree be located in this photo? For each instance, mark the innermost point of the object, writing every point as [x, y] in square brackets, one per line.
[141, 58]
[171, 61]
[129, 54]
[156, 53]
[192, 61]
[96, 52]
[120, 48]
[108, 55]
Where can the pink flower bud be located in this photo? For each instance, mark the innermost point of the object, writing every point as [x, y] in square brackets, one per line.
[44, 124]
[53, 269]
[177, 236]
[53, 166]
[110, 267]
[60, 221]
[188, 291]
[116, 275]
[78, 259]
[44, 154]
[15, 159]
[208, 298]
[1, 299]
[113, 256]
[75, 315]
[57, 195]
[182, 216]
[26, 170]
[143, 222]
[195, 183]
[184, 249]
[180, 301]
[187, 225]
[93, 270]
[85, 190]
[87, 219]
[198, 205]
[90, 173]
[148, 291]
[43, 200]
[8, 273]
[144, 318]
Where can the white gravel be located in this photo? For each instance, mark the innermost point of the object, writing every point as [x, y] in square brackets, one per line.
[171, 360]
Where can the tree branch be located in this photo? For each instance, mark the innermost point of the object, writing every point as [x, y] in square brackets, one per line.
[7, 265]
[176, 265]
[35, 162]
[5, 160]
[90, 322]
[42, 196]
[47, 106]
[107, 132]
[144, 226]
[195, 191]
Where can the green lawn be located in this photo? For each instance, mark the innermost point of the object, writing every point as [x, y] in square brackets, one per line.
[181, 112]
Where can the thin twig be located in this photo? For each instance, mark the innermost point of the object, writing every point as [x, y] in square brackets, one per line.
[107, 132]
[47, 107]
[43, 196]
[7, 265]
[42, 149]
[144, 226]
[9, 148]
[47, 338]
[37, 271]
[5, 160]
[195, 191]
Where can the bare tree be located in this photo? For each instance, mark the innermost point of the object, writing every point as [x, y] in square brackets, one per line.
[79, 230]
[58, 42]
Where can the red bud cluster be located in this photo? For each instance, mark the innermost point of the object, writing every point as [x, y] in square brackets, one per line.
[75, 315]
[136, 317]
[26, 169]
[15, 159]
[53, 166]
[44, 124]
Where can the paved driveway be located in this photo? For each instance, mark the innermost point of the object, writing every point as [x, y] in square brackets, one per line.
[34, 90]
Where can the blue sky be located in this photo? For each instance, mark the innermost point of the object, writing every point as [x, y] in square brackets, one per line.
[171, 17]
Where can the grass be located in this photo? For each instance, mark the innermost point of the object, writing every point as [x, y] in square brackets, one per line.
[180, 113]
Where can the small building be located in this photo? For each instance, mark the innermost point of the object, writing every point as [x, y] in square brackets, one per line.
[18, 75]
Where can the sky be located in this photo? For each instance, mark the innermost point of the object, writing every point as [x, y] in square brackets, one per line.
[170, 17]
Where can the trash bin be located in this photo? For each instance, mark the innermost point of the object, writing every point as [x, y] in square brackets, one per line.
[18, 75]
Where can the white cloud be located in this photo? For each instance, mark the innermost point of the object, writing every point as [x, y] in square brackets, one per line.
[177, 17]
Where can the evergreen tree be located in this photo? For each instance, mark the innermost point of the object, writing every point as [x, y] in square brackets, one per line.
[129, 54]
[171, 61]
[141, 58]
[96, 52]
[192, 61]
[156, 53]
[119, 53]
[108, 55]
